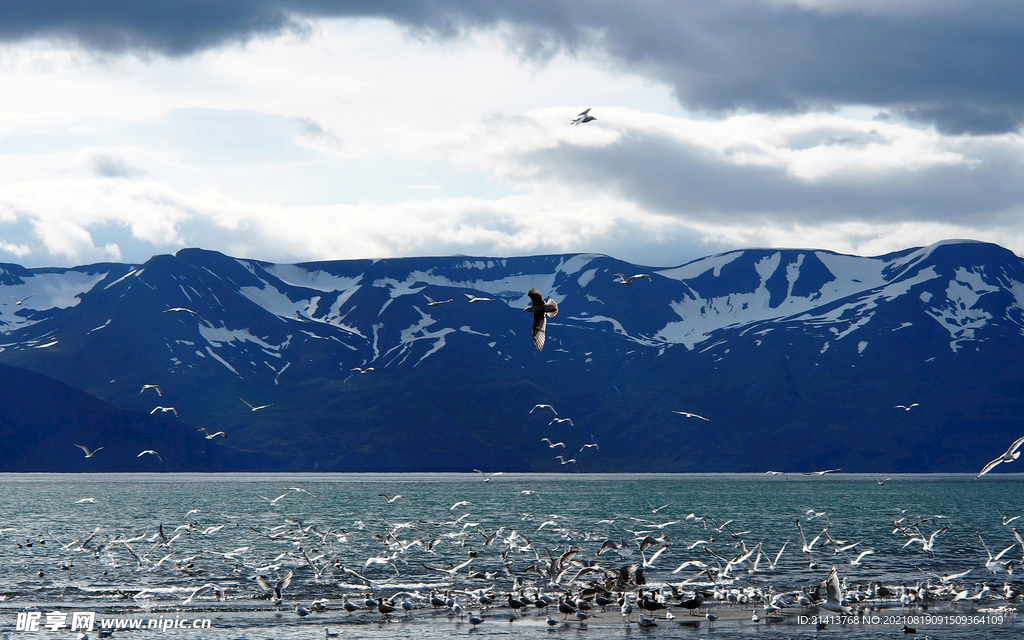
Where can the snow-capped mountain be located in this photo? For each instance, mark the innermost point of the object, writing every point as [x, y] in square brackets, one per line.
[797, 357]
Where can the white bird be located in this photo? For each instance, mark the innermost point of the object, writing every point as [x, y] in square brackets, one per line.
[905, 407]
[84, 500]
[362, 371]
[262, 406]
[473, 298]
[487, 477]
[624, 280]
[856, 561]
[564, 461]
[88, 454]
[151, 453]
[561, 420]
[390, 500]
[164, 410]
[552, 445]
[179, 310]
[820, 473]
[541, 312]
[210, 436]
[543, 406]
[458, 504]
[583, 117]
[690, 415]
[1010, 455]
[154, 387]
[834, 594]
[776, 473]
[434, 303]
[656, 510]
[18, 302]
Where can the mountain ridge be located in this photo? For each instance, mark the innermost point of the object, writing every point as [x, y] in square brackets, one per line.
[783, 330]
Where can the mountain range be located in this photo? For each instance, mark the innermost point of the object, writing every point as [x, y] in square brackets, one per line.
[792, 360]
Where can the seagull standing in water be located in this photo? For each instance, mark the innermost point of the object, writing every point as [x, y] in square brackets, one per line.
[1010, 455]
[541, 312]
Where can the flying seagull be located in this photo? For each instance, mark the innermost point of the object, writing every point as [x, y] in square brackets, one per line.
[552, 445]
[434, 303]
[691, 415]
[473, 298]
[560, 421]
[262, 406]
[164, 410]
[179, 310]
[211, 436]
[154, 387]
[630, 279]
[363, 371]
[1010, 455]
[541, 312]
[88, 454]
[18, 302]
[820, 473]
[487, 478]
[150, 452]
[905, 407]
[583, 117]
[543, 406]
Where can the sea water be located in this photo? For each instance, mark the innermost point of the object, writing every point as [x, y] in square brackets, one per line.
[132, 548]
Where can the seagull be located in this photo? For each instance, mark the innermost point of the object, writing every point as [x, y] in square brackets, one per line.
[390, 500]
[552, 445]
[277, 588]
[150, 452]
[363, 371]
[881, 482]
[564, 461]
[776, 473]
[583, 117]
[834, 594]
[262, 406]
[179, 310]
[905, 407]
[656, 510]
[88, 454]
[541, 312]
[155, 387]
[458, 504]
[434, 303]
[487, 478]
[630, 279]
[18, 302]
[164, 410]
[820, 473]
[210, 436]
[1010, 455]
[592, 445]
[691, 415]
[473, 298]
[561, 420]
[543, 406]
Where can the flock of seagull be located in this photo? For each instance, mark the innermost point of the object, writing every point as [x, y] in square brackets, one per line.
[413, 557]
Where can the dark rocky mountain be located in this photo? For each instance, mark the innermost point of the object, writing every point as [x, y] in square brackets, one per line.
[797, 357]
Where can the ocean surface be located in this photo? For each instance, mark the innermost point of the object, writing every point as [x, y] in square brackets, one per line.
[168, 551]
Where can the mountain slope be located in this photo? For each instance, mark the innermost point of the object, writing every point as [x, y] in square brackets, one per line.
[797, 357]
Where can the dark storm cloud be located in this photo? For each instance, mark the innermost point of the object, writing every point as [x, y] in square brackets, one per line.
[690, 183]
[954, 64]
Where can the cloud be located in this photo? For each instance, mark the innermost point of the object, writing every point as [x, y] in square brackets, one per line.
[951, 64]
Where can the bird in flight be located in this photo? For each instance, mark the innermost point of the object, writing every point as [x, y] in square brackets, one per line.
[390, 500]
[151, 453]
[564, 461]
[434, 303]
[624, 280]
[653, 508]
[543, 406]
[552, 445]
[179, 310]
[18, 302]
[820, 473]
[262, 406]
[560, 421]
[905, 407]
[362, 371]
[210, 436]
[473, 298]
[88, 454]
[583, 117]
[154, 387]
[1010, 455]
[164, 410]
[487, 478]
[541, 312]
[776, 473]
[691, 415]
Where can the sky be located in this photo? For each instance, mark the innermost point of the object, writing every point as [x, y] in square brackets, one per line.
[301, 130]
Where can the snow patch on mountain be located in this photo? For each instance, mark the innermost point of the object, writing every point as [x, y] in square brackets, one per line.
[699, 267]
[297, 276]
[957, 314]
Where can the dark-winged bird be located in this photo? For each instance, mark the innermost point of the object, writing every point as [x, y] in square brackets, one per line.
[541, 312]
